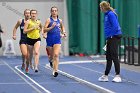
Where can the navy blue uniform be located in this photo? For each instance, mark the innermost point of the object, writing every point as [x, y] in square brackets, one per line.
[23, 36]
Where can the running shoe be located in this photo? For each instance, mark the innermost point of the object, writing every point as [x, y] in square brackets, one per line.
[36, 69]
[117, 79]
[51, 63]
[23, 66]
[103, 78]
[26, 70]
[32, 67]
[55, 74]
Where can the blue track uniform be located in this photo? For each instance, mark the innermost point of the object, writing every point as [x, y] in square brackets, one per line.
[22, 35]
[53, 36]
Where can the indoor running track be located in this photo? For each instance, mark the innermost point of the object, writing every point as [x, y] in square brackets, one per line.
[76, 75]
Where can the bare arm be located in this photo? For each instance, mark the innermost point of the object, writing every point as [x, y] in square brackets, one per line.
[62, 28]
[26, 30]
[46, 28]
[44, 35]
[41, 28]
[15, 29]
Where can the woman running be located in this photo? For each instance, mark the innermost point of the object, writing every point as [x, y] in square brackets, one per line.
[32, 28]
[23, 42]
[54, 28]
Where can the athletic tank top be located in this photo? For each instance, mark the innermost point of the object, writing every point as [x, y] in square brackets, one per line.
[22, 35]
[34, 34]
[56, 30]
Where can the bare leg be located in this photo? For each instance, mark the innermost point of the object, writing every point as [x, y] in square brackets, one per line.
[30, 58]
[23, 48]
[36, 53]
[29, 54]
[50, 55]
[56, 51]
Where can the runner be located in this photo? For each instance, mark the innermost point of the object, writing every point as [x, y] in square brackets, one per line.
[54, 28]
[23, 42]
[32, 28]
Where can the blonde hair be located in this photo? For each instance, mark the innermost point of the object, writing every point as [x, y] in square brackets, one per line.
[106, 6]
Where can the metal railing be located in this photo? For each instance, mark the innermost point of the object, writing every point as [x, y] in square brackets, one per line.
[129, 49]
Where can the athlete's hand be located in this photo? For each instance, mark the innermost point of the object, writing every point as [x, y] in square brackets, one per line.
[36, 27]
[44, 36]
[64, 35]
[53, 25]
[14, 37]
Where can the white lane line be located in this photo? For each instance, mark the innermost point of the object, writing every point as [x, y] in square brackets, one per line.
[84, 61]
[93, 61]
[22, 83]
[100, 61]
[75, 62]
[13, 83]
[9, 64]
[99, 88]
[47, 91]
[22, 77]
[82, 67]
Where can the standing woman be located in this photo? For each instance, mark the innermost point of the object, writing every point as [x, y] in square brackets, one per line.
[22, 42]
[33, 27]
[113, 34]
[54, 28]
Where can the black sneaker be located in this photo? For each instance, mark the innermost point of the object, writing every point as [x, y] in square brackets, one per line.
[36, 70]
[51, 63]
[55, 74]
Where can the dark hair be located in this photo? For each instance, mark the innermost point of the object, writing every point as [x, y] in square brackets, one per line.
[33, 10]
[26, 10]
[52, 8]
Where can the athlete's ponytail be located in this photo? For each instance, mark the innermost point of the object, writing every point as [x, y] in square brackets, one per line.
[106, 6]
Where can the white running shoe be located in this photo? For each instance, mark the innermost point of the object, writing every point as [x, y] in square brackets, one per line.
[53, 73]
[103, 78]
[32, 67]
[117, 79]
